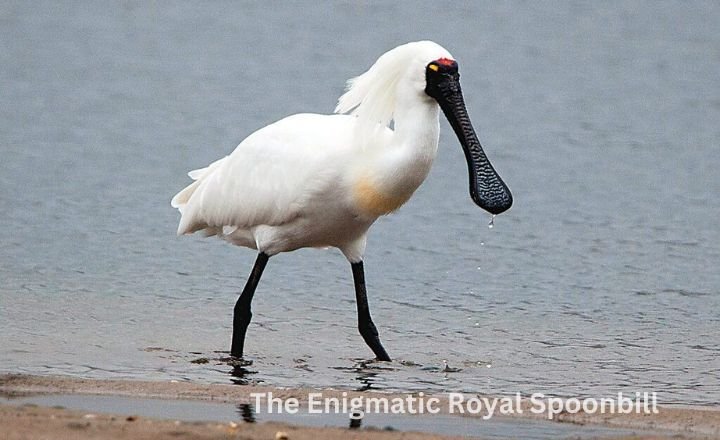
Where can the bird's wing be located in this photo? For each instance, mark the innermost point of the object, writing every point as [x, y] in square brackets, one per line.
[271, 175]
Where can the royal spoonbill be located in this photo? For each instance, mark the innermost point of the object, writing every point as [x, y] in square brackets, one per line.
[313, 180]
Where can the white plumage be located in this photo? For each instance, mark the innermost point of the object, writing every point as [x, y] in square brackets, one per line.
[321, 180]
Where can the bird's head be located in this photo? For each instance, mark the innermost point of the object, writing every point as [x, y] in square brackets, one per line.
[425, 70]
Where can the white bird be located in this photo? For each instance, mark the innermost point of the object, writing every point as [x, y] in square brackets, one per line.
[313, 180]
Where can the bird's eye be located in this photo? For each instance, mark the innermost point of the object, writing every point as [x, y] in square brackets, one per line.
[434, 67]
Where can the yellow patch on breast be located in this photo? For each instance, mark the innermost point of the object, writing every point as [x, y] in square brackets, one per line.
[372, 201]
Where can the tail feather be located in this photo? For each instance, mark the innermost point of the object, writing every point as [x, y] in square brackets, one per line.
[181, 198]
[180, 201]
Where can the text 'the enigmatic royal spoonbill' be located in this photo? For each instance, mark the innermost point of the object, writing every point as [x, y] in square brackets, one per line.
[322, 180]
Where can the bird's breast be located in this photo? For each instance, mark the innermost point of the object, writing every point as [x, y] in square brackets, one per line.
[373, 200]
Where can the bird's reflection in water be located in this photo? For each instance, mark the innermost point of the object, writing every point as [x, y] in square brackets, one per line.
[239, 373]
[367, 379]
[247, 412]
[368, 373]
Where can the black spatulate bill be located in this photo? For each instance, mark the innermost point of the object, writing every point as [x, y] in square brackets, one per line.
[487, 189]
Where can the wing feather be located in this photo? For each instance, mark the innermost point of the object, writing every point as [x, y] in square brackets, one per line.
[270, 178]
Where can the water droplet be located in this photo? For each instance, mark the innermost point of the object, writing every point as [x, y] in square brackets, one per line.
[492, 222]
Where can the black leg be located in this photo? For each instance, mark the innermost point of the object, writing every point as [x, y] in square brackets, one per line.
[365, 323]
[242, 315]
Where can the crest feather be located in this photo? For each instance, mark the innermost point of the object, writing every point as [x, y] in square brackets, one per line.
[372, 96]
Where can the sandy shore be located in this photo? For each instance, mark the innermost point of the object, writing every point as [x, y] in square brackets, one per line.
[26, 422]
[59, 424]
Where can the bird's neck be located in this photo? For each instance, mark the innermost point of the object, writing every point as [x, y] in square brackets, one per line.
[415, 143]
[417, 129]
[398, 168]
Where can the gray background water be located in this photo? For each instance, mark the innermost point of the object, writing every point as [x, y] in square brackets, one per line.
[602, 117]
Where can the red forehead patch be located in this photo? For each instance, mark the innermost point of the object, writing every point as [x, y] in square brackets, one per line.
[446, 62]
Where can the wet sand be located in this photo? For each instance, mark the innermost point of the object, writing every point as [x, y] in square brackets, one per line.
[19, 422]
[52, 423]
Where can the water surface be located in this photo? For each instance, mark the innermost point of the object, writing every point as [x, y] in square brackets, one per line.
[601, 117]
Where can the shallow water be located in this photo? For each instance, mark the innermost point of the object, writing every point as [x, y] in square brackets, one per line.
[602, 119]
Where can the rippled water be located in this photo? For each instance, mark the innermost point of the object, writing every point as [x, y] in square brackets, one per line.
[602, 118]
